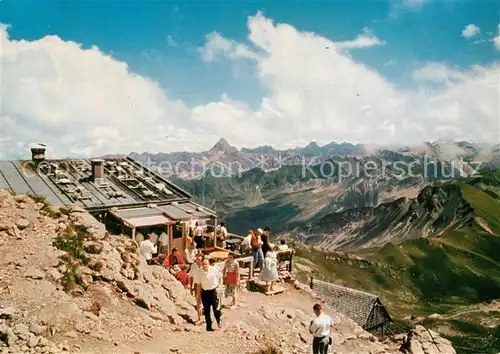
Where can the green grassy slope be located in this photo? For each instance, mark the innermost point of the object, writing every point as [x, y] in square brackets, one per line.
[442, 275]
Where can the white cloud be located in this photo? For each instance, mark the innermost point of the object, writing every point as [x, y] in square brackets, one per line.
[216, 44]
[399, 6]
[496, 39]
[496, 42]
[56, 92]
[438, 72]
[470, 31]
[365, 40]
[323, 94]
[79, 99]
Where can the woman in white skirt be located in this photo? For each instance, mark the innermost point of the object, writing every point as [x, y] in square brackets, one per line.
[269, 272]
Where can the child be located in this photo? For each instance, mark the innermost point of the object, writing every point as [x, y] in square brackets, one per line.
[269, 272]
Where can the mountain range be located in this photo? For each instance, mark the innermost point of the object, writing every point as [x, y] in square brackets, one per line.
[223, 159]
[285, 189]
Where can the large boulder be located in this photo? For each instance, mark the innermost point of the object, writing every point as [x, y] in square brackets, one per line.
[421, 340]
[95, 229]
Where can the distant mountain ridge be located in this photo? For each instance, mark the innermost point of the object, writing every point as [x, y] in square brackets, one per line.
[295, 195]
[223, 159]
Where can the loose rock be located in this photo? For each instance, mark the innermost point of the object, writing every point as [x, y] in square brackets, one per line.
[22, 224]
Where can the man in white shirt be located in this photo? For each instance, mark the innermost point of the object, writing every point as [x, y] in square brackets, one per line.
[320, 329]
[210, 279]
[148, 248]
[248, 239]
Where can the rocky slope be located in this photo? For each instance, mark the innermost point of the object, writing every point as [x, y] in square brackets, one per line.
[65, 276]
[69, 286]
[293, 195]
[434, 211]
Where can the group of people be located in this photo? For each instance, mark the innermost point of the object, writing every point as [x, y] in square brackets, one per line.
[199, 274]
[196, 241]
[264, 255]
[199, 236]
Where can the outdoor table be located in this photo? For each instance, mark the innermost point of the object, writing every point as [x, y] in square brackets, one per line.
[219, 255]
[232, 243]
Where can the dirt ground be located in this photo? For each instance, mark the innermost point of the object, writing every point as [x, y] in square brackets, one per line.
[229, 339]
[280, 319]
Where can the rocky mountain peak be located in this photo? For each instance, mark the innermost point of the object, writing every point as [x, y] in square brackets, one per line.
[222, 146]
[312, 145]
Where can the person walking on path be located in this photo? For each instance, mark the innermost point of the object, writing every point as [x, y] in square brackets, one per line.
[320, 328]
[210, 280]
[221, 234]
[231, 276]
[257, 255]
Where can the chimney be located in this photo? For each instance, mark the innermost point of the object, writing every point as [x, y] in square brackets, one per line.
[38, 153]
[97, 170]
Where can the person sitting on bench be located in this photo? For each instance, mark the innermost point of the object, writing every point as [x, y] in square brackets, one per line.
[176, 258]
[283, 246]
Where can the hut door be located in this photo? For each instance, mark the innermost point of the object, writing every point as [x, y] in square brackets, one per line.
[177, 239]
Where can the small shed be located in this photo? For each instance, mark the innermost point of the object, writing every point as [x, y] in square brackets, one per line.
[363, 308]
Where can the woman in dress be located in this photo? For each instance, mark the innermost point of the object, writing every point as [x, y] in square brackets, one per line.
[269, 273]
[231, 276]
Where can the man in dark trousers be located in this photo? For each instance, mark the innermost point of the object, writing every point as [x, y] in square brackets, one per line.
[320, 328]
[257, 255]
[210, 279]
[198, 236]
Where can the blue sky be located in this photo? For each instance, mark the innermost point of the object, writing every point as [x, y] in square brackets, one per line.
[275, 72]
[138, 34]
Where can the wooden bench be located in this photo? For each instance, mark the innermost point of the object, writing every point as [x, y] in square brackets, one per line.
[285, 259]
[255, 284]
